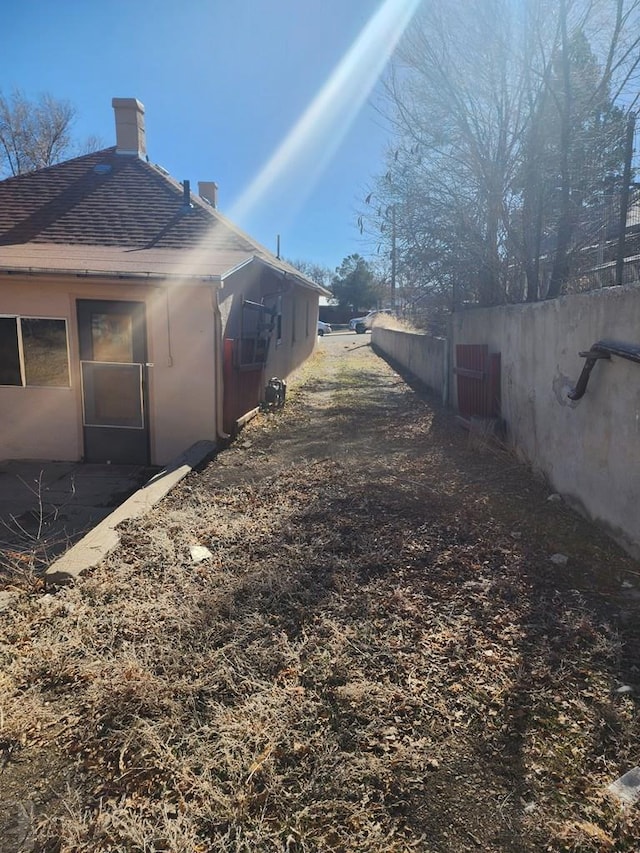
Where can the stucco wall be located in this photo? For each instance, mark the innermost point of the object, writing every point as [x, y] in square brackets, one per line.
[182, 381]
[46, 423]
[41, 423]
[589, 449]
[422, 355]
[299, 315]
[299, 333]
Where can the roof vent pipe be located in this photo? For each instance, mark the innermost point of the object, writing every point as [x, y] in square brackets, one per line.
[186, 189]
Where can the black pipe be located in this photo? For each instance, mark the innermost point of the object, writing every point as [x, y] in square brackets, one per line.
[599, 350]
[581, 385]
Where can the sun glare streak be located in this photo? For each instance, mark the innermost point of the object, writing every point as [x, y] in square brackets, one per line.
[314, 139]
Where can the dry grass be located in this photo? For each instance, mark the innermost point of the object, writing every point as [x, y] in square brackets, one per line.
[377, 657]
[30, 541]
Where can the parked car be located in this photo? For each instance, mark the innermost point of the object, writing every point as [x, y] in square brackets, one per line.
[323, 328]
[361, 324]
[353, 322]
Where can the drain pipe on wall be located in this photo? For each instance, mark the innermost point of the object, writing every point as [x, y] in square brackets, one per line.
[445, 378]
[218, 357]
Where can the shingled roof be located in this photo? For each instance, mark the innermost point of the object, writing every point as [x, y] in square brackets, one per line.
[109, 212]
[106, 199]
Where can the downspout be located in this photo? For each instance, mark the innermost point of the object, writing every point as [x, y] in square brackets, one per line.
[446, 369]
[218, 356]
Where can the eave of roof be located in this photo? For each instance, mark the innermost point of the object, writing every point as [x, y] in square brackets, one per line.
[116, 262]
[291, 272]
[146, 264]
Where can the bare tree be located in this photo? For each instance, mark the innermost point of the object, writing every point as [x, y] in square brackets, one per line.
[456, 93]
[319, 273]
[599, 54]
[505, 122]
[572, 143]
[35, 134]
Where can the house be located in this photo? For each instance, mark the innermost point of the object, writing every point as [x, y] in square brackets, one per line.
[135, 319]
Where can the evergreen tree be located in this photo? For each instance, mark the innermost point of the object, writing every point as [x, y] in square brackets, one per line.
[355, 285]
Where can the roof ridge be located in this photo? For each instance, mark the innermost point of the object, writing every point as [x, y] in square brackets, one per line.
[59, 165]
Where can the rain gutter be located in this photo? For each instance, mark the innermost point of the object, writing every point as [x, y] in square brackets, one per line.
[110, 274]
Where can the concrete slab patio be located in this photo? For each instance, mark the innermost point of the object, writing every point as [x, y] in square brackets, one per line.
[62, 516]
[48, 505]
[102, 538]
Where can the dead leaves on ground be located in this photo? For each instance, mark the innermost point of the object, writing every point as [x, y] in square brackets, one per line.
[372, 660]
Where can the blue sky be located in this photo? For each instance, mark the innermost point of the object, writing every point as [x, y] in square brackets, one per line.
[223, 83]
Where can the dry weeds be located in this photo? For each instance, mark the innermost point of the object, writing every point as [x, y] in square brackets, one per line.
[377, 657]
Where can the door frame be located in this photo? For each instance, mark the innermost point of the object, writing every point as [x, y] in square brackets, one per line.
[127, 445]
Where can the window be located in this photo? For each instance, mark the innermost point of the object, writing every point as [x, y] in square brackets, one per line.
[112, 337]
[9, 352]
[34, 352]
[278, 310]
[294, 311]
[256, 326]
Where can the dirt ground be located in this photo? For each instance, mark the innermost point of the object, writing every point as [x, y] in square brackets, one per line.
[377, 655]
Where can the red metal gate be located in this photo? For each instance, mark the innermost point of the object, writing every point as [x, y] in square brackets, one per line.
[478, 378]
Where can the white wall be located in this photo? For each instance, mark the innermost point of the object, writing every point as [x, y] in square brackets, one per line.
[422, 355]
[588, 449]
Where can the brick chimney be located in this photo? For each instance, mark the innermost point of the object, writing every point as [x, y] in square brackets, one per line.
[208, 190]
[130, 134]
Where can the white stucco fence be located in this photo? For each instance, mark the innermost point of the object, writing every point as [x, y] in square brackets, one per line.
[589, 450]
[425, 356]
